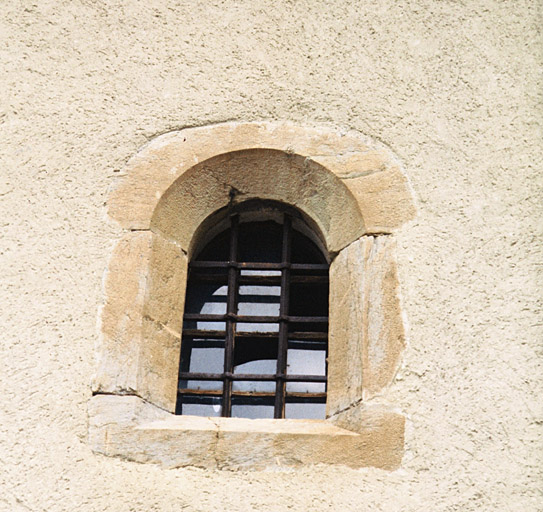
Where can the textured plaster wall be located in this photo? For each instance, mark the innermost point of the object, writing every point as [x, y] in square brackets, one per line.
[453, 88]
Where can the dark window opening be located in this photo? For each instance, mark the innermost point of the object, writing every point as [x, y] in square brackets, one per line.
[255, 328]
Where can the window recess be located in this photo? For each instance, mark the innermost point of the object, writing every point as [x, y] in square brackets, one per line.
[255, 327]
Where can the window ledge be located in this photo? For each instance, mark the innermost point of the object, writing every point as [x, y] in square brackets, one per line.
[129, 427]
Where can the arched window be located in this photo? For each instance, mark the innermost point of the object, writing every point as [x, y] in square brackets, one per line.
[259, 338]
[255, 326]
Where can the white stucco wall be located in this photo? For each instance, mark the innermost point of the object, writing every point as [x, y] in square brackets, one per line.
[454, 89]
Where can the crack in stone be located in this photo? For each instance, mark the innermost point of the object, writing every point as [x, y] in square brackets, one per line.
[345, 409]
[214, 449]
[129, 393]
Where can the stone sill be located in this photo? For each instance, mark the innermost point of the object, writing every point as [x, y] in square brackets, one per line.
[129, 427]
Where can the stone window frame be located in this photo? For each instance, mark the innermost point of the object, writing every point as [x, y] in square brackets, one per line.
[356, 193]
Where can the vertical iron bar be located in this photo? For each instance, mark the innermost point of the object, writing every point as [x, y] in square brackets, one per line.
[231, 308]
[282, 350]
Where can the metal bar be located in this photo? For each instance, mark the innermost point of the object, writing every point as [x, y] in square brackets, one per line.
[279, 406]
[293, 336]
[248, 265]
[256, 319]
[251, 376]
[258, 279]
[208, 264]
[314, 319]
[231, 309]
[214, 392]
[309, 266]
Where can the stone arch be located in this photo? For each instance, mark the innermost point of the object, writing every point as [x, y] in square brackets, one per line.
[368, 169]
[259, 174]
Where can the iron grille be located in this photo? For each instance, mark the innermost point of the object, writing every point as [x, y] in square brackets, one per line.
[299, 328]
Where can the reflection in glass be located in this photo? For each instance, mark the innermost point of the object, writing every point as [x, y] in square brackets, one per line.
[305, 411]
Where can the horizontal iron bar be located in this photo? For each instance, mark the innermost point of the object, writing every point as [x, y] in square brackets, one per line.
[251, 376]
[217, 392]
[259, 280]
[256, 319]
[257, 265]
[293, 336]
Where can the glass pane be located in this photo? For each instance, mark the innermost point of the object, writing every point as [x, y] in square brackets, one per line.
[252, 407]
[259, 386]
[201, 410]
[303, 250]
[206, 298]
[255, 327]
[255, 355]
[259, 300]
[202, 355]
[208, 385]
[216, 250]
[305, 411]
[306, 387]
[199, 405]
[269, 273]
[308, 327]
[308, 299]
[306, 362]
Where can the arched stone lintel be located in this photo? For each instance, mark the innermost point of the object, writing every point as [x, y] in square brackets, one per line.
[235, 177]
[368, 170]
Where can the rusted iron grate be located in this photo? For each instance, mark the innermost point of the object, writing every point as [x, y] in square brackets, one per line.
[294, 331]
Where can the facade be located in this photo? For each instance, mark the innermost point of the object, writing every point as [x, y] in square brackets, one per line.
[418, 130]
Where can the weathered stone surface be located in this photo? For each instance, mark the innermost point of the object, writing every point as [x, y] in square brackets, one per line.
[142, 318]
[385, 329]
[129, 427]
[385, 448]
[264, 174]
[166, 283]
[366, 330]
[386, 198]
[158, 364]
[116, 428]
[121, 318]
[349, 156]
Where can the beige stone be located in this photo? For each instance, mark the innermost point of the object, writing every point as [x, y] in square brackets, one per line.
[388, 427]
[263, 174]
[385, 199]
[366, 334]
[158, 364]
[166, 283]
[121, 318]
[349, 156]
[141, 319]
[129, 427]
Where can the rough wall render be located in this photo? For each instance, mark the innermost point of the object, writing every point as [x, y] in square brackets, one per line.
[453, 88]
